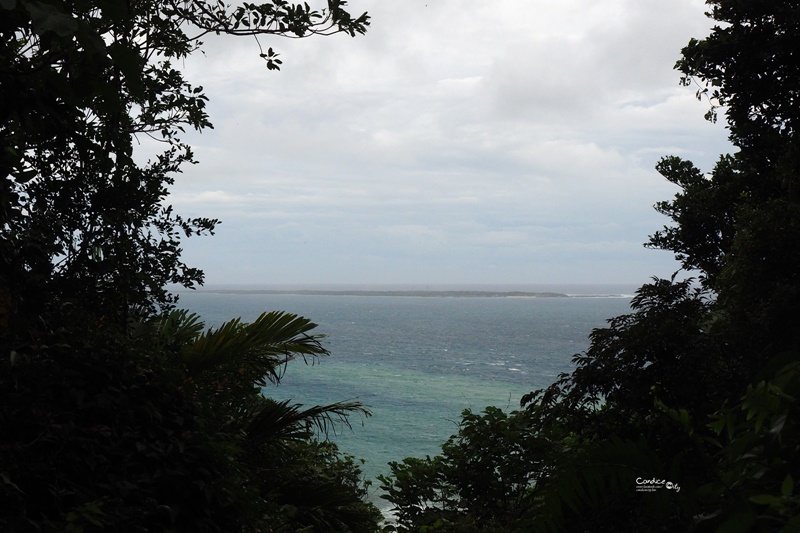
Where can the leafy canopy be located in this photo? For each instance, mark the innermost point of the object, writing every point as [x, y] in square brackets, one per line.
[82, 221]
[119, 417]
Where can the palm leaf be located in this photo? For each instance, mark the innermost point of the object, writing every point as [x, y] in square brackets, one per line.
[170, 331]
[258, 349]
[180, 327]
[277, 420]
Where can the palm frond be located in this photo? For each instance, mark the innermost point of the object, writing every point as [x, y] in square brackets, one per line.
[174, 329]
[180, 326]
[277, 420]
[258, 349]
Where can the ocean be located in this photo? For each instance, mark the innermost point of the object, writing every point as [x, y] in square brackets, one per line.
[418, 359]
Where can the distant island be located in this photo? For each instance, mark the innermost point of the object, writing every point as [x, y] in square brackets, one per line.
[431, 294]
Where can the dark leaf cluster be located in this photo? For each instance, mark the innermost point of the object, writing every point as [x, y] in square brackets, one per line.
[93, 440]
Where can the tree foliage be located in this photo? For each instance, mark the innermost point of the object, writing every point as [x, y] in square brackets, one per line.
[279, 467]
[118, 416]
[81, 219]
[94, 440]
[144, 439]
[480, 482]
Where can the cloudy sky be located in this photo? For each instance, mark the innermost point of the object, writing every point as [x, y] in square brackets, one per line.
[459, 141]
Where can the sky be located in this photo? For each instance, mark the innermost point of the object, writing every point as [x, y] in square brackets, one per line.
[457, 142]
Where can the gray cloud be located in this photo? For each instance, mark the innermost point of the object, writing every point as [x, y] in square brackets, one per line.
[469, 141]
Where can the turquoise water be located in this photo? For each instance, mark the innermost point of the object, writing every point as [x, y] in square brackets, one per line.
[417, 362]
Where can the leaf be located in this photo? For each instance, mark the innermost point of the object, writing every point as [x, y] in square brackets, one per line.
[740, 522]
[116, 10]
[765, 499]
[272, 340]
[279, 421]
[777, 427]
[25, 176]
[46, 17]
[787, 487]
[131, 64]
[7, 481]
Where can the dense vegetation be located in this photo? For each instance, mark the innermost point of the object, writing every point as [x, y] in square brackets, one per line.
[120, 413]
[695, 392]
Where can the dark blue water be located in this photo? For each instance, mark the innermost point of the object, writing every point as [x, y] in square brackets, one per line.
[419, 361]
